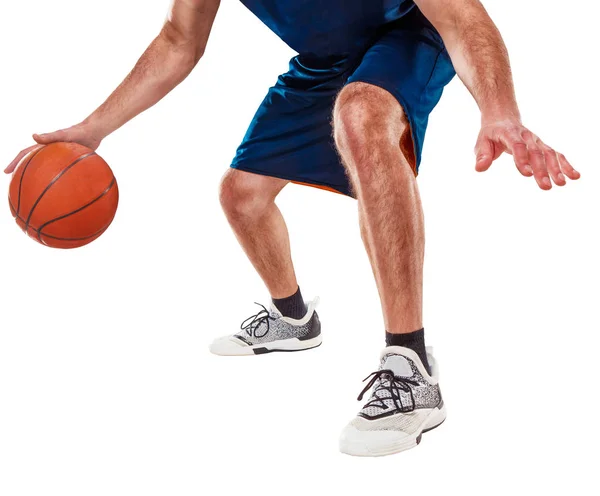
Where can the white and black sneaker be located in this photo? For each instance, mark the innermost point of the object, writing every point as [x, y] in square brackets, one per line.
[269, 331]
[405, 402]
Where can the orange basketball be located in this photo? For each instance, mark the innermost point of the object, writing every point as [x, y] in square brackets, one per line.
[63, 195]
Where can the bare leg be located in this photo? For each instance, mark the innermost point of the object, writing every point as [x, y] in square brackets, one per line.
[248, 201]
[370, 127]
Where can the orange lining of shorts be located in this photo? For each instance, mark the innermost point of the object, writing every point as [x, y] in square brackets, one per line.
[319, 186]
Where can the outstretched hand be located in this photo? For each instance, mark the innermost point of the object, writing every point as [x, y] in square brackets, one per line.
[531, 155]
[80, 133]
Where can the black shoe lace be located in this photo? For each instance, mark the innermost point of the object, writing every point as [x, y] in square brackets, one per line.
[251, 324]
[395, 386]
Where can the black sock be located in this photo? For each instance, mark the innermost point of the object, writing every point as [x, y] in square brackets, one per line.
[414, 341]
[292, 306]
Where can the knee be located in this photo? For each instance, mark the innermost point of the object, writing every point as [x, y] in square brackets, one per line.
[241, 197]
[367, 121]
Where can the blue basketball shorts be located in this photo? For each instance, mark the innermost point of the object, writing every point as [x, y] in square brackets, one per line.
[290, 136]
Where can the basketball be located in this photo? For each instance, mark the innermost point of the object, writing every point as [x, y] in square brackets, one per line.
[63, 195]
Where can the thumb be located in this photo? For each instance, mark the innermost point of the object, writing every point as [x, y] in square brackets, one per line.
[45, 139]
[484, 151]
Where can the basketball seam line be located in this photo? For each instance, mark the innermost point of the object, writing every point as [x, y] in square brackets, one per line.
[56, 178]
[64, 239]
[105, 192]
[55, 237]
[22, 176]
[97, 233]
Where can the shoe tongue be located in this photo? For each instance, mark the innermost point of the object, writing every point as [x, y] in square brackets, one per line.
[397, 364]
[275, 312]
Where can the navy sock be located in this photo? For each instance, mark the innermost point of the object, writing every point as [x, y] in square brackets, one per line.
[414, 341]
[292, 306]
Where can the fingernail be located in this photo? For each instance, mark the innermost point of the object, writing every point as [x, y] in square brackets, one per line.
[546, 182]
[561, 177]
[528, 169]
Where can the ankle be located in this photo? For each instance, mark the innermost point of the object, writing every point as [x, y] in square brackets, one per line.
[414, 341]
[291, 306]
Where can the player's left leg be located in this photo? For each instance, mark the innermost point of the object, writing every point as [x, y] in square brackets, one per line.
[380, 120]
[370, 127]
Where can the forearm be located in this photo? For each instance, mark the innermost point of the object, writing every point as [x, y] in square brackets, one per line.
[478, 53]
[166, 63]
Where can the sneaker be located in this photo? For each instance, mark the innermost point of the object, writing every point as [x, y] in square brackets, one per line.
[405, 402]
[269, 331]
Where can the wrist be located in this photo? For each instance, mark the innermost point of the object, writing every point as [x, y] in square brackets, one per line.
[500, 113]
[94, 126]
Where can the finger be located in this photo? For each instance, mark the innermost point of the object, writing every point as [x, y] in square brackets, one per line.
[484, 151]
[13, 165]
[553, 166]
[537, 160]
[567, 168]
[518, 149]
[45, 139]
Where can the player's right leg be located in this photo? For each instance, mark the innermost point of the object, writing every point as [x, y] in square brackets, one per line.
[248, 201]
[289, 140]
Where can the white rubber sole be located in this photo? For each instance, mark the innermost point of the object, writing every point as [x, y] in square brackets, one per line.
[382, 443]
[229, 346]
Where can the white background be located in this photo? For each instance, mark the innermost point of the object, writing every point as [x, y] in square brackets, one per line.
[106, 382]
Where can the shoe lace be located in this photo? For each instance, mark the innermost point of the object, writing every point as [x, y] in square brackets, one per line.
[252, 324]
[394, 385]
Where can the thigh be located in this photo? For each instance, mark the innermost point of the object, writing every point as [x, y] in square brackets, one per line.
[409, 61]
[290, 137]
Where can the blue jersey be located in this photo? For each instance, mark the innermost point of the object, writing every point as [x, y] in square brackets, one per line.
[327, 27]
